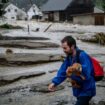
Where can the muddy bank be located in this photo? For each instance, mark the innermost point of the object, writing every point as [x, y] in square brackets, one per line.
[22, 59]
[24, 88]
[27, 44]
[39, 88]
[22, 38]
[38, 94]
[10, 78]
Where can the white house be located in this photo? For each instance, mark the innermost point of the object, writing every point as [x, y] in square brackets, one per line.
[13, 12]
[17, 12]
[34, 12]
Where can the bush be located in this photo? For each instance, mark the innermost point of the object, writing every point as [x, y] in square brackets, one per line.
[8, 26]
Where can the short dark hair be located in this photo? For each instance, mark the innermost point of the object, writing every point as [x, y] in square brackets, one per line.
[70, 41]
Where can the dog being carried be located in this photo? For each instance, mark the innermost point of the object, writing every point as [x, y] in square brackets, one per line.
[75, 69]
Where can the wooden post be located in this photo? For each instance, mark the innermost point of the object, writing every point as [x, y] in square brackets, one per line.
[28, 29]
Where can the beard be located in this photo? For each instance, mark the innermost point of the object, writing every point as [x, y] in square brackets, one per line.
[69, 53]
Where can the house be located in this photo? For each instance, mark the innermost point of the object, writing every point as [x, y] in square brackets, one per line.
[19, 11]
[34, 12]
[30, 8]
[13, 12]
[61, 10]
[95, 18]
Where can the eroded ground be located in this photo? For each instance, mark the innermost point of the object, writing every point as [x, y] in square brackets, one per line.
[26, 73]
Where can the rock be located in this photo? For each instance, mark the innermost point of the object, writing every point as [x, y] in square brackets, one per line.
[92, 103]
[101, 103]
[10, 99]
[61, 100]
[3, 61]
[10, 78]
[36, 88]
[9, 51]
[21, 38]
[36, 30]
[43, 88]
[22, 59]
[52, 71]
[13, 90]
[27, 44]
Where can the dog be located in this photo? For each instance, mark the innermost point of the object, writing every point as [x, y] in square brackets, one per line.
[75, 69]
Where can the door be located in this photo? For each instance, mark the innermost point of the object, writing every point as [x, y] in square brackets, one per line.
[99, 20]
[51, 16]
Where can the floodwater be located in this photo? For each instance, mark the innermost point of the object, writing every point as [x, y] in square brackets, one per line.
[23, 96]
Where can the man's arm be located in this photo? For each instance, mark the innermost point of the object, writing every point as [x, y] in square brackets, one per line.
[61, 76]
[86, 65]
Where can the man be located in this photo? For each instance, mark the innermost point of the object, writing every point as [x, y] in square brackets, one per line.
[87, 87]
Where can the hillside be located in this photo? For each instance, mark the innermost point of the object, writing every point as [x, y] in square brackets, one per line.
[37, 2]
[100, 3]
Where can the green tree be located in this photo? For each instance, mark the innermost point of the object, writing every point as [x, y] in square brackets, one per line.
[103, 5]
[5, 1]
[2, 3]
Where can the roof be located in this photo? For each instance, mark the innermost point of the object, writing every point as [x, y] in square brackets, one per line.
[6, 5]
[22, 4]
[97, 10]
[56, 5]
[26, 4]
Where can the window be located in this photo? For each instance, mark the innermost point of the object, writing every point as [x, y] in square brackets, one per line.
[33, 10]
[12, 17]
[9, 10]
[15, 10]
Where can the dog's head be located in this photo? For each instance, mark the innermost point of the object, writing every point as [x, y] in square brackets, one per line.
[75, 68]
[69, 71]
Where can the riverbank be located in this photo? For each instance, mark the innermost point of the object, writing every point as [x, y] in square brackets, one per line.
[26, 83]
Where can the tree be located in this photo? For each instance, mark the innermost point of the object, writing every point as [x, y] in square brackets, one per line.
[2, 3]
[5, 1]
[103, 5]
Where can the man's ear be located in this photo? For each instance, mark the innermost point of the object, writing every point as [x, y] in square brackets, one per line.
[72, 47]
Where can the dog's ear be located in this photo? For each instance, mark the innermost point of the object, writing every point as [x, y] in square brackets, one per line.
[77, 66]
[69, 71]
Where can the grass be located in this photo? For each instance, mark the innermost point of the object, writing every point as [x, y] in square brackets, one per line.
[8, 26]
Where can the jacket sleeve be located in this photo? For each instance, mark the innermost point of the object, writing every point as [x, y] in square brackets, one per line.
[61, 75]
[86, 67]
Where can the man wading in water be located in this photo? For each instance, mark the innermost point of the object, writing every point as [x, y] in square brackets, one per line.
[87, 87]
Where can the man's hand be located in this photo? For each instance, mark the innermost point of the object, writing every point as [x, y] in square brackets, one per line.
[51, 87]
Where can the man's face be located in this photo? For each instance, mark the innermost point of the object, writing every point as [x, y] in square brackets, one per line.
[68, 50]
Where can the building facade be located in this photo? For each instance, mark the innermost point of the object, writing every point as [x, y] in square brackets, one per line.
[61, 10]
